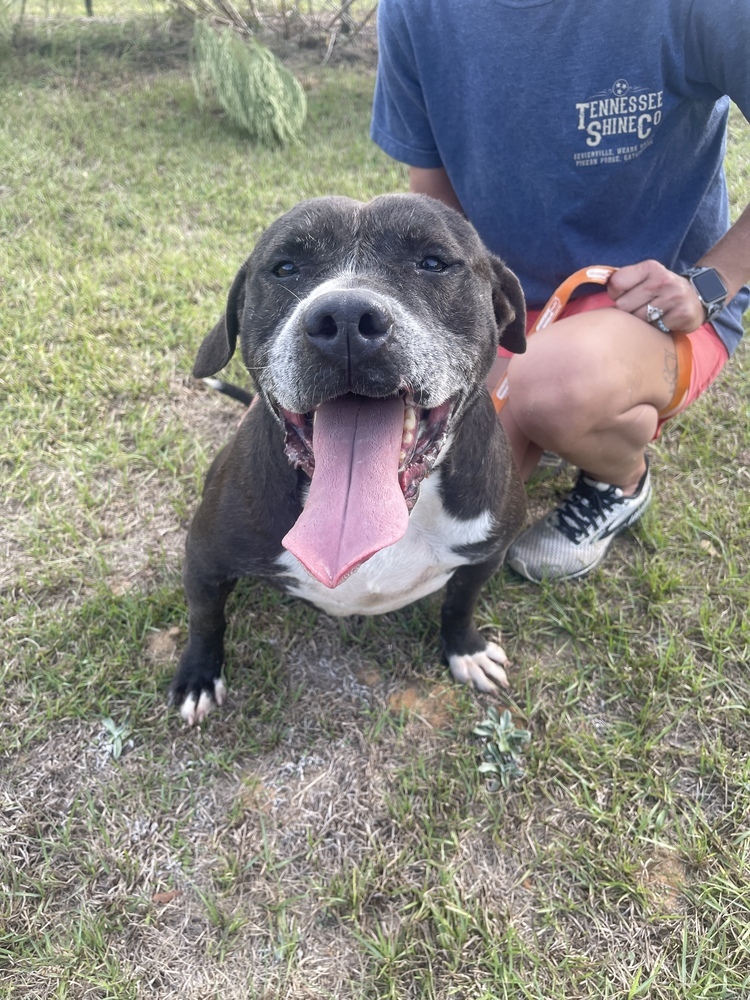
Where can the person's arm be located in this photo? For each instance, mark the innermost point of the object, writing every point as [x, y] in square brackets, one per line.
[433, 182]
[649, 282]
[731, 255]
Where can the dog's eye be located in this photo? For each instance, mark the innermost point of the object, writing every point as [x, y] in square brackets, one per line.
[433, 264]
[284, 269]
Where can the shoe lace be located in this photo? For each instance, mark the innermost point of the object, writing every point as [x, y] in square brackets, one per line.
[585, 507]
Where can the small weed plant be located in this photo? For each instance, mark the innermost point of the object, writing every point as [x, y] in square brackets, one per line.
[503, 746]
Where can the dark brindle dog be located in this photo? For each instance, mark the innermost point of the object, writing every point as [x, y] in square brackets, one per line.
[372, 469]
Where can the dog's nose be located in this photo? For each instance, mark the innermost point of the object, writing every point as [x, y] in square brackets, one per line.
[348, 325]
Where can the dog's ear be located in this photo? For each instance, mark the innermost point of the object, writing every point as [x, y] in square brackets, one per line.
[218, 347]
[510, 308]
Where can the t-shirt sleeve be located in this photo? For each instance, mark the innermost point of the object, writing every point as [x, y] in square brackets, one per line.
[718, 48]
[400, 120]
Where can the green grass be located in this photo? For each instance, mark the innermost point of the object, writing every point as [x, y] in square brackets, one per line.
[327, 834]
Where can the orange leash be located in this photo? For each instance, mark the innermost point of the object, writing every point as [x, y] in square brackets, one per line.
[599, 274]
[684, 351]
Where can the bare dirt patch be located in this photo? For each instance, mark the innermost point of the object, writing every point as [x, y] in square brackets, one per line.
[433, 706]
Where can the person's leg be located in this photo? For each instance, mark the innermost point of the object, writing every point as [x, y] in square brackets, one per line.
[589, 388]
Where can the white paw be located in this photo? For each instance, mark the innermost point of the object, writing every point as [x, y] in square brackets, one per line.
[483, 669]
[195, 711]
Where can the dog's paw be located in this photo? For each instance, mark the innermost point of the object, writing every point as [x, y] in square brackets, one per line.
[200, 700]
[484, 669]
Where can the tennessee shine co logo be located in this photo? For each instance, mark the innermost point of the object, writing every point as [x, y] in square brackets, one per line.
[624, 113]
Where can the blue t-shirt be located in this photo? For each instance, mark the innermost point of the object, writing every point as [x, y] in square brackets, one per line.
[573, 133]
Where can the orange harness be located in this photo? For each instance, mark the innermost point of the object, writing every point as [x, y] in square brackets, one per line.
[599, 275]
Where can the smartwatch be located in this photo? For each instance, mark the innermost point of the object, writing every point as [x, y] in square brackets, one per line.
[709, 288]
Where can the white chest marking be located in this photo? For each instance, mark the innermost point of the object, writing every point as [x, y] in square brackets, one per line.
[419, 564]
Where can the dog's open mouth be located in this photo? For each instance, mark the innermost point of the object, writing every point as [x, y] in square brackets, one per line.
[422, 435]
[366, 459]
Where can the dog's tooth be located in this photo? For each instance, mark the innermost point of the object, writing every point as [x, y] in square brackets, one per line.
[410, 419]
[408, 437]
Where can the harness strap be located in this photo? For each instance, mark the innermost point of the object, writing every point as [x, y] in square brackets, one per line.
[599, 274]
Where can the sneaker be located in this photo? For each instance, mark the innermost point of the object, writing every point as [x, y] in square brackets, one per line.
[575, 537]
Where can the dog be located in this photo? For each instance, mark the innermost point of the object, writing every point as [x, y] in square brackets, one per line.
[371, 469]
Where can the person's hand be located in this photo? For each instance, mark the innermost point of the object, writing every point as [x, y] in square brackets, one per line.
[649, 283]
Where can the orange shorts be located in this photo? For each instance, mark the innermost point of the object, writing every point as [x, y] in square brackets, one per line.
[709, 353]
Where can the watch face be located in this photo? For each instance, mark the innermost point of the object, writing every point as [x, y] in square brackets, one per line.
[709, 286]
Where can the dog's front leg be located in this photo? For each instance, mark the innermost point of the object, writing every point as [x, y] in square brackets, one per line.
[472, 660]
[197, 686]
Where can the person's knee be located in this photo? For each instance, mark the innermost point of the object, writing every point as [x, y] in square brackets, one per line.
[554, 402]
[561, 411]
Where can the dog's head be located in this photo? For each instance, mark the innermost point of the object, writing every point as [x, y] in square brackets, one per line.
[394, 297]
[344, 305]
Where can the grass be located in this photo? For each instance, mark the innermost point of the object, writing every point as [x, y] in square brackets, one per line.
[328, 833]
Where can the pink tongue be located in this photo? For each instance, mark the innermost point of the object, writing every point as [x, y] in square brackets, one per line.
[355, 506]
